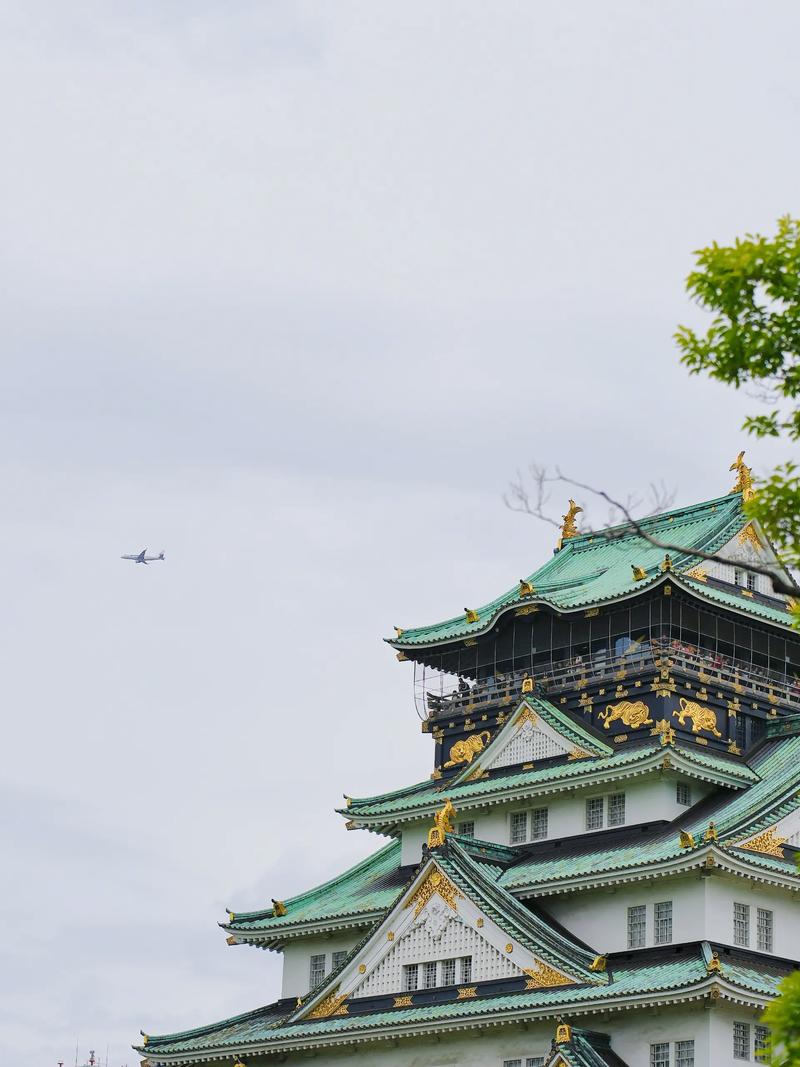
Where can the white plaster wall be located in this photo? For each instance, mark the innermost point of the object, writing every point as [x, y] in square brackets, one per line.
[297, 959]
[600, 917]
[646, 800]
[721, 893]
[721, 1020]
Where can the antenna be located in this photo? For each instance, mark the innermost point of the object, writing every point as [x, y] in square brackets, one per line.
[106, 1055]
[77, 1042]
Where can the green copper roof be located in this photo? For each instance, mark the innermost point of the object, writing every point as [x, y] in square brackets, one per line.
[363, 891]
[428, 796]
[585, 1048]
[682, 969]
[595, 568]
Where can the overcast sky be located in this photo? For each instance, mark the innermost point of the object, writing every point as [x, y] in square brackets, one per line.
[290, 291]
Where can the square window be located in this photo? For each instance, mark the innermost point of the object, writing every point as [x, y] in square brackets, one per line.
[637, 926]
[741, 1041]
[683, 794]
[741, 925]
[338, 958]
[466, 969]
[512, 1063]
[410, 977]
[616, 809]
[751, 581]
[429, 975]
[448, 972]
[684, 1054]
[466, 829]
[538, 824]
[761, 1039]
[662, 922]
[519, 827]
[534, 1061]
[316, 970]
[594, 813]
[659, 1054]
[764, 938]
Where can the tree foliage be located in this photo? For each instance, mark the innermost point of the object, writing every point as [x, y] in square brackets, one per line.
[782, 1017]
[752, 290]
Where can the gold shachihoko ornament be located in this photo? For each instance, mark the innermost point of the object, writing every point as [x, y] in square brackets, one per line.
[744, 478]
[442, 825]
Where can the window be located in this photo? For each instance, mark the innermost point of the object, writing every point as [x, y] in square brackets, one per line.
[519, 827]
[534, 1061]
[751, 581]
[594, 813]
[616, 809]
[741, 925]
[410, 977]
[761, 1039]
[429, 975]
[338, 958]
[466, 969]
[538, 824]
[316, 970]
[683, 794]
[738, 576]
[466, 829]
[662, 922]
[659, 1054]
[764, 930]
[741, 1041]
[637, 926]
[448, 972]
[684, 1054]
[512, 1063]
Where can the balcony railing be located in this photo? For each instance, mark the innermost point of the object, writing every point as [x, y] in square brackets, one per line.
[710, 668]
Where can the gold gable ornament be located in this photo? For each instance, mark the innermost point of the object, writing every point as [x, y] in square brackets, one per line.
[711, 832]
[749, 536]
[666, 565]
[526, 588]
[686, 839]
[563, 1034]
[471, 615]
[768, 842]
[598, 963]
[527, 683]
[744, 478]
[278, 908]
[442, 825]
[639, 573]
[714, 966]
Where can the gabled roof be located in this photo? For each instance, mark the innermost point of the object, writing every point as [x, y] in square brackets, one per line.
[593, 569]
[670, 975]
[468, 791]
[582, 1048]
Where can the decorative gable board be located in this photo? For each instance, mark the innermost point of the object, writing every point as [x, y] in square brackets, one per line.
[527, 738]
[748, 546]
[434, 921]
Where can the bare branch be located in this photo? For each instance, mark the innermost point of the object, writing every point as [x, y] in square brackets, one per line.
[661, 498]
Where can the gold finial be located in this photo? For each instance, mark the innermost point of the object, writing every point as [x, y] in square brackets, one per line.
[744, 478]
[399, 631]
[472, 616]
[231, 915]
[598, 963]
[714, 966]
[563, 1034]
[145, 1036]
[639, 573]
[667, 564]
[570, 527]
[527, 683]
[711, 832]
[525, 588]
[686, 839]
[442, 825]
[278, 907]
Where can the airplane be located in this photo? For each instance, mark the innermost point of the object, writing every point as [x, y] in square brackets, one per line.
[144, 558]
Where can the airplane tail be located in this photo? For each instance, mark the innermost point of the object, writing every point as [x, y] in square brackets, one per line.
[161, 555]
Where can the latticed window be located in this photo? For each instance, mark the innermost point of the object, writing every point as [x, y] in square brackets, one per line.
[538, 824]
[519, 827]
[448, 972]
[684, 1054]
[594, 813]
[616, 809]
[410, 977]
[741, 924]
[761, 1039]
[764, 939]
[637, 926]
[662, 916]
[751, 581]
[741, 1041]
[512, 1063]
[534, 1061]
[316, 971]
[659, 1054]
[466, 829]
[429, 975]
[466, 969]
[683, 794]
[338, 958]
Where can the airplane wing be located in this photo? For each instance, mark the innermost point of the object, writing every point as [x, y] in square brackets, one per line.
[140, 557]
